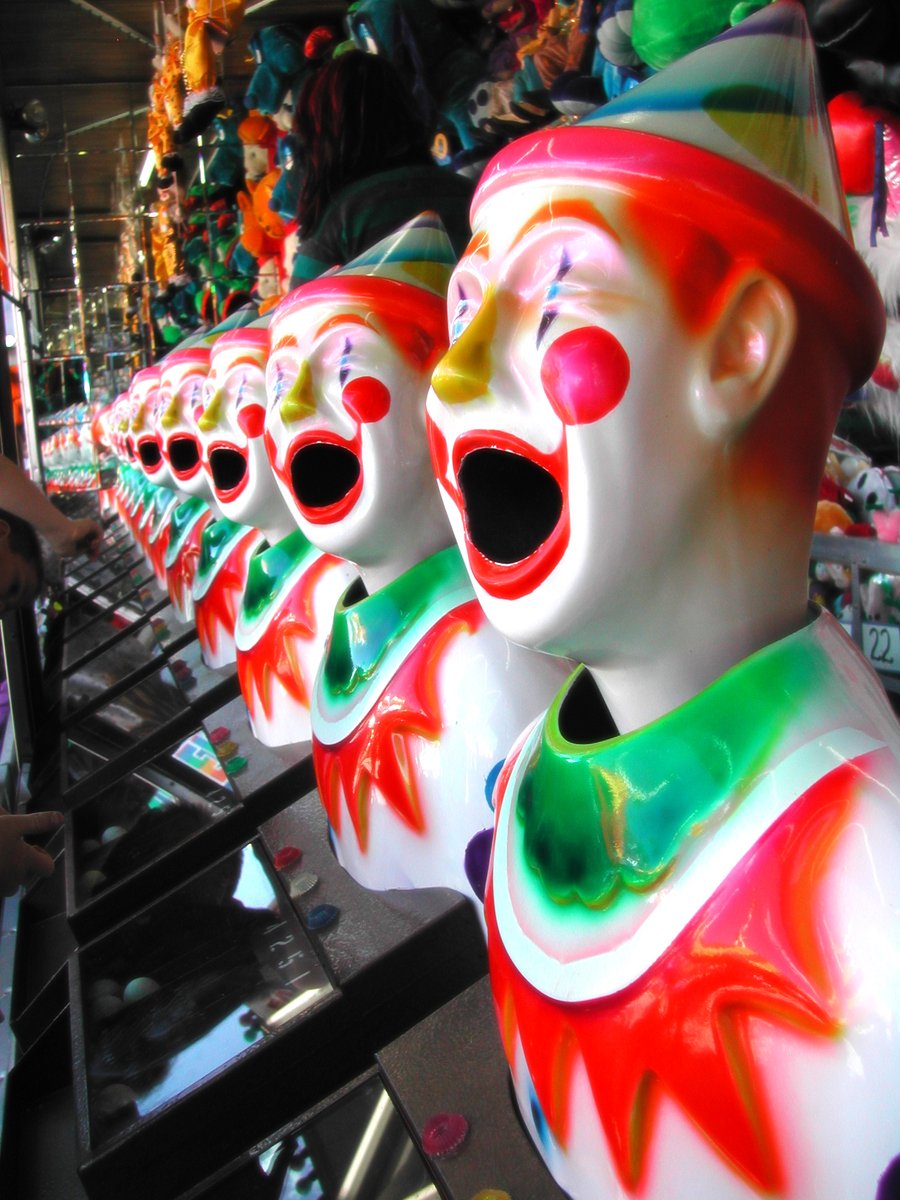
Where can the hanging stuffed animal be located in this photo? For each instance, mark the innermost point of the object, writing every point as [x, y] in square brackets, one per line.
[211, 23]
[278, 51]
[258, 135]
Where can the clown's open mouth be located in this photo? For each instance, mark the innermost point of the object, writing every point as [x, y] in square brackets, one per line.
[150, 454]
[326, 479]
[511, 504]
[184, 455]
[228, 467]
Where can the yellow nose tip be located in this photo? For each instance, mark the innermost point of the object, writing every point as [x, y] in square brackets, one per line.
[464, 373]
[137, 421]
[170, 416]
[210, 419]
[300, 402]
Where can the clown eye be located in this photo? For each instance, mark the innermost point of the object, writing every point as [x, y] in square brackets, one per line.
[344, 370]
[280, 385]
[547, 320]
[462, 314]
[550, 311]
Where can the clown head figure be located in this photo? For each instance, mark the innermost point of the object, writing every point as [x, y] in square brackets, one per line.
[351, 355]
[688, 910]
[119, 423]
[183, 375]
[291, 588]
[128, 479]
[418, 699]
[152, 526]
[219, 564]
[143, 397]
[643, 377]
[230, 428]
[180, 402]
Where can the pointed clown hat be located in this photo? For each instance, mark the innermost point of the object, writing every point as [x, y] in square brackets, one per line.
[251, 340]
[735, 138]
[403, 277]
[196, 350]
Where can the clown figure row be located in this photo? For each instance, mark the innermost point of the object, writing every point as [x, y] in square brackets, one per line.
[286, 499]
[631, 377]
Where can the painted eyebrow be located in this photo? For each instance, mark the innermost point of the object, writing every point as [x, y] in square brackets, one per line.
[579, 210]
[343, 319]
[461, 293]
[479, 244]
[550, 314]
[245, 360]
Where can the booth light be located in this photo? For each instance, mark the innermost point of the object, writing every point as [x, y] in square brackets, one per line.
[147, 169]
[200, 162]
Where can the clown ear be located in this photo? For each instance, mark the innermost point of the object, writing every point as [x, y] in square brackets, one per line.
[748, 348]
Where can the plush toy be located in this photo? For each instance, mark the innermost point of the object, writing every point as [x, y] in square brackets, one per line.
[319, 45]
[225, 168]
[445, 67]
[256, 244]
[165, 108]
[873, 492]
[665, 30]
[259, 137]
[831, 518]
[210, 25]
[266, 214]
[278, 51]
[616, 63]
[286, 192]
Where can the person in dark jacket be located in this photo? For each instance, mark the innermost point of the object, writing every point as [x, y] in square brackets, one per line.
[368, 165]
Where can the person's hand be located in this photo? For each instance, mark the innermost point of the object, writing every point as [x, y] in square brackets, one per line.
[81, 536]
[18, 859]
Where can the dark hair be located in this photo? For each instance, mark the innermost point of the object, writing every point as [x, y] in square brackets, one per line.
[355, 117]
[23, 541]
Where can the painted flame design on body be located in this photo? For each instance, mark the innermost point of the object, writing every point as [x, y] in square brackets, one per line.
[381, 751]
[757, 950]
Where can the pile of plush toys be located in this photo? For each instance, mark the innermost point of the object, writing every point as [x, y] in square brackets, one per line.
[483, 74]
[519, 545]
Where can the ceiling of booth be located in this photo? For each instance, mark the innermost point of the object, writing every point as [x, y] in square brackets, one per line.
[90, 65]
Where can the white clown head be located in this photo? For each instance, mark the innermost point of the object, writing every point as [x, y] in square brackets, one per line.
[350, 358]
[184, 373]
[143, 394]
[231, 432]
[650, 340]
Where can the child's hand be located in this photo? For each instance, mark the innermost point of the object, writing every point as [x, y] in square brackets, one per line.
[17, 858]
